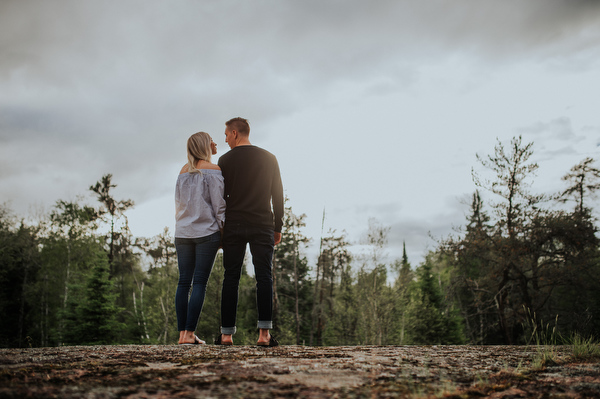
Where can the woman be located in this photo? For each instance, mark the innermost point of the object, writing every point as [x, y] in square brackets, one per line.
[200, 215]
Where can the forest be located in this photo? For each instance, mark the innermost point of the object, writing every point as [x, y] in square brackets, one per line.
[524, 268]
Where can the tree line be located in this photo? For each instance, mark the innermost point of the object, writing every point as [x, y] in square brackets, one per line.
[521, 265]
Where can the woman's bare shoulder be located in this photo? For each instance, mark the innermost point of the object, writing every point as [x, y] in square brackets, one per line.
[211, 166]
[184, 169]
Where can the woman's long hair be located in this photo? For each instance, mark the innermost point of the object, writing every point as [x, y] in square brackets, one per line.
[198, 148]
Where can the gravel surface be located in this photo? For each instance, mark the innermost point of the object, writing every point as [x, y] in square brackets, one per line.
[209, 371]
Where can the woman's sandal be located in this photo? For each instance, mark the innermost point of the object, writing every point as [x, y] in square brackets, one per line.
[272, 342]
[197, 341]
[218, 342]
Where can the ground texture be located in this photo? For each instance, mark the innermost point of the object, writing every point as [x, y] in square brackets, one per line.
[210, 371]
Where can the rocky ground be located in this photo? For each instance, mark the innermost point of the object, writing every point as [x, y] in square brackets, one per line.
[210, 371]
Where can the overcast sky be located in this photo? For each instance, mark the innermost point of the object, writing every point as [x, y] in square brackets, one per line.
[375, 109]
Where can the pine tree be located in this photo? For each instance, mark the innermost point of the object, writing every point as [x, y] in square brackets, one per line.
[430, 320]
[402, 294]
[115, 210]
[20, 262]
[66, 246]
[155, 318]
[292, 300]
[333, 265]
[584, 179]
[94, 320]
[375, 296]
[530, 263]
[512, 265]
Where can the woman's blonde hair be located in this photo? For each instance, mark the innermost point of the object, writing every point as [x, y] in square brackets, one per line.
[198, 148]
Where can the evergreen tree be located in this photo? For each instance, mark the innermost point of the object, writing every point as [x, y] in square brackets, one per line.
[511, 266]
[157, 309]
[376, 306]
[342, 328]
[431, 320]
[402, 295]
[123, 262]
[531, 264]
[67, 244]
[20, 262]
[292, 300]
[115, 210]
[332, 266]
[472, 280]
[376, 299]
[94, 320]
[584, 179]
[577, 249]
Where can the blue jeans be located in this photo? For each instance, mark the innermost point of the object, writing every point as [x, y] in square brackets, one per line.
[195, 257]
[235, 238]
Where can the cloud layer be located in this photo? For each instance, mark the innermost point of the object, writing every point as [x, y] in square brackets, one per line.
[334, 88]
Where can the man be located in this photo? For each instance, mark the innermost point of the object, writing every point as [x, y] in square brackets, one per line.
[254, 216]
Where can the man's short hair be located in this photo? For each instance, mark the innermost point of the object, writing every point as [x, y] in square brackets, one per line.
[240, 125]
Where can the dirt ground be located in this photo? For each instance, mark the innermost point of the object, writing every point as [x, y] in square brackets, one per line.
[210, 371]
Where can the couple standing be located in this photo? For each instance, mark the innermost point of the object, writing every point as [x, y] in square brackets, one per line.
[232, 204]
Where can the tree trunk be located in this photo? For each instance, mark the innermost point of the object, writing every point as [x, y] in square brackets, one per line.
[297, 299]
[165, 332]
[275, 315]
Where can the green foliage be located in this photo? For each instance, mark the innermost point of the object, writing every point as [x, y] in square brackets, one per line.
[342, 328]
[545, 356]
[520, 259]
[332, 264]
[376, 298]
[375, 306]
[111, 211]
[210, 318]
[584, 348]
[529, 258]
[93, 318]
[539, 332]
[584, 179]
[292, 299]
[430, 321]
[154, 290]
[20, 262]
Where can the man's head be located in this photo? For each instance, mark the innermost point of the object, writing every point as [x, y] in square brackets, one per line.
[237, 132]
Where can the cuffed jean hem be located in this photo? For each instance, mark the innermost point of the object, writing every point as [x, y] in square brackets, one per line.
[268, 325]
[228, 330]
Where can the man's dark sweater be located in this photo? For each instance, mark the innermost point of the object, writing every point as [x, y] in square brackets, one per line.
[253, 188]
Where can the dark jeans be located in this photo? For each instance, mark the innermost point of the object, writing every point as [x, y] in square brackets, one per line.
[261, 241]
[195, 257]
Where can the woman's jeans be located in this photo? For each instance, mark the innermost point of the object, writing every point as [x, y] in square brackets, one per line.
[235, 238]
[195, 257]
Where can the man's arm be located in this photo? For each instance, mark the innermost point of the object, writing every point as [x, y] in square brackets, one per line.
[277, 198]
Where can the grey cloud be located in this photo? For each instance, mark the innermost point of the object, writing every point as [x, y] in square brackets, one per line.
[593, 131]
[346, 35]
[418, 233]
[558, 138]
[560, 129]
[76, 76]
[420, 236]
[298, 39]
[133, 54]
[553, 154]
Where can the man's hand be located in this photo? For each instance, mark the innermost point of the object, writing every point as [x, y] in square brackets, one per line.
[277, 237]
